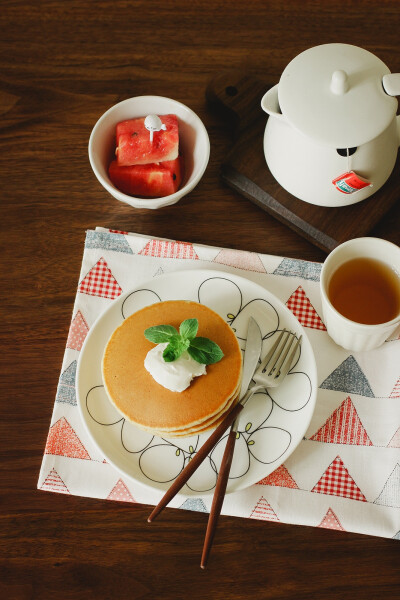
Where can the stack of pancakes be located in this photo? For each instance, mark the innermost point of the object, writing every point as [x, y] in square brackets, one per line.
[149, 405]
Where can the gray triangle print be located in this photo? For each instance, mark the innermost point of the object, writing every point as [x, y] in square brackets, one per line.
[66, 386]
[196, 504]
[115, 242]
[349, 378]
[291, 267]
[390, 495]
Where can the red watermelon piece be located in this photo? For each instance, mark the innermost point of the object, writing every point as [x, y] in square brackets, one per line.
[153, 180]
[134, 146]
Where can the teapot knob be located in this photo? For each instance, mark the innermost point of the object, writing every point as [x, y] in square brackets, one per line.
[339, 83]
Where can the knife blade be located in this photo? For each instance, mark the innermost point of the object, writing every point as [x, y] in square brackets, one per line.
[251, 354]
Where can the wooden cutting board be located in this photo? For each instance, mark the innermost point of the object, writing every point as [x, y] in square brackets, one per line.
[239, 95]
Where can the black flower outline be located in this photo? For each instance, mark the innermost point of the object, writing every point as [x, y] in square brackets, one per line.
[184, 455]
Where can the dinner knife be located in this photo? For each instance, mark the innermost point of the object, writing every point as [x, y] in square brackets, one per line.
[250, 361]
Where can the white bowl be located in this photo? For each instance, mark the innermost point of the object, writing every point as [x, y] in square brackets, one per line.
[193, 143]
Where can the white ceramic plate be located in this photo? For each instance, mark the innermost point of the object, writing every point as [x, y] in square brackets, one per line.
[271, 425]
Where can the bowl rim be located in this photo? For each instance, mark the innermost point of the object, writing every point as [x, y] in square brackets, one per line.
[159, 202]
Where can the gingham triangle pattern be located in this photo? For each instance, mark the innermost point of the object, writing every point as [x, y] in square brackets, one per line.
[302, 308]
[336, 481]
[100, 282]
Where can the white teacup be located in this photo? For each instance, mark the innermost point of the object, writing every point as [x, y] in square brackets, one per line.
[349, 334]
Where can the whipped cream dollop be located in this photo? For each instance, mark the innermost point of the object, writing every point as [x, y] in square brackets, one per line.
[176, 375]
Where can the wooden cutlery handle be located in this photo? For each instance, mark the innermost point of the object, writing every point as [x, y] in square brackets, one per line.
[195, 461]
[219, 496]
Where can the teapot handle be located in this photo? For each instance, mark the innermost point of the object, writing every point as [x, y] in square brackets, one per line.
[270, 103]
[391, 84]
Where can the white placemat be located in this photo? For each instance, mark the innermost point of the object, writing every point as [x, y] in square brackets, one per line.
[344, 475]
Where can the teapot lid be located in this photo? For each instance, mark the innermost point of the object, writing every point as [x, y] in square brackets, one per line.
[333, 93]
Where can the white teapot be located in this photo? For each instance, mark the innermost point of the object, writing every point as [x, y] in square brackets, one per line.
[332, 134]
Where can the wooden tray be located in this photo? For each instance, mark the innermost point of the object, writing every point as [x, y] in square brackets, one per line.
[239, 95]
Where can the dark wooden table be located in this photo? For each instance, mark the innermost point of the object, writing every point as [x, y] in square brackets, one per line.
[62, 63]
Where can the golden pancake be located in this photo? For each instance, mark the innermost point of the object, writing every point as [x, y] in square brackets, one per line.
[146, 403]
[203, 426]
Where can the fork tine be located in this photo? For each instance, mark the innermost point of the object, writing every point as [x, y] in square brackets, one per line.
[284, 352]
[287, 365]
[270, 354]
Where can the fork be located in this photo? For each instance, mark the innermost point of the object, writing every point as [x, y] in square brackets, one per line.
[270, 373]
[279, 362]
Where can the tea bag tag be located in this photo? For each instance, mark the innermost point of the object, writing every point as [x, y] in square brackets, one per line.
[154, 123]
[350, 182]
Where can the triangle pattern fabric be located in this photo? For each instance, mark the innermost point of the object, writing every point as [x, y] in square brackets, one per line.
[336, 481]
[100, 282]
[302, 308]
[290, 267]
[167, 249]
[395, 393]
[281, 478]
[120, 493]
[348, 378]
[66, 386]
[390, 495]
[263, 511]
[54, 483]
[195, 504]
[396, 536]
[249, 261]
[395, 441]
[330, 521]
[343, 427]
[63, 441]
[115, 241]
[77, 332]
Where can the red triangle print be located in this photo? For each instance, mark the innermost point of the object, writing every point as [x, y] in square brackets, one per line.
[120, 493]
[395, 441]
[395, 393]
[54, 483]
[343, 427]
[167, 249]
[336, 481]
[250, 261]
[263, 511]
[100, 282]
[330, 521]
[302, 308]
[280, 477]
[77, 332]
[63, 441]
[118, 231]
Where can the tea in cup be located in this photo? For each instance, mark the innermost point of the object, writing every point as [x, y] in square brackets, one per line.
[360, 290]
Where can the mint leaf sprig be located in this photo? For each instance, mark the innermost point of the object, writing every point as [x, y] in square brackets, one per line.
[201, 349]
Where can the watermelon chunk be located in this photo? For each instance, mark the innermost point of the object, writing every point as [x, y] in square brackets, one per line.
[153, 180]
[134, 146]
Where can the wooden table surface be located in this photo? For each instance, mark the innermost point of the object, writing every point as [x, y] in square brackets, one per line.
[62, 64]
